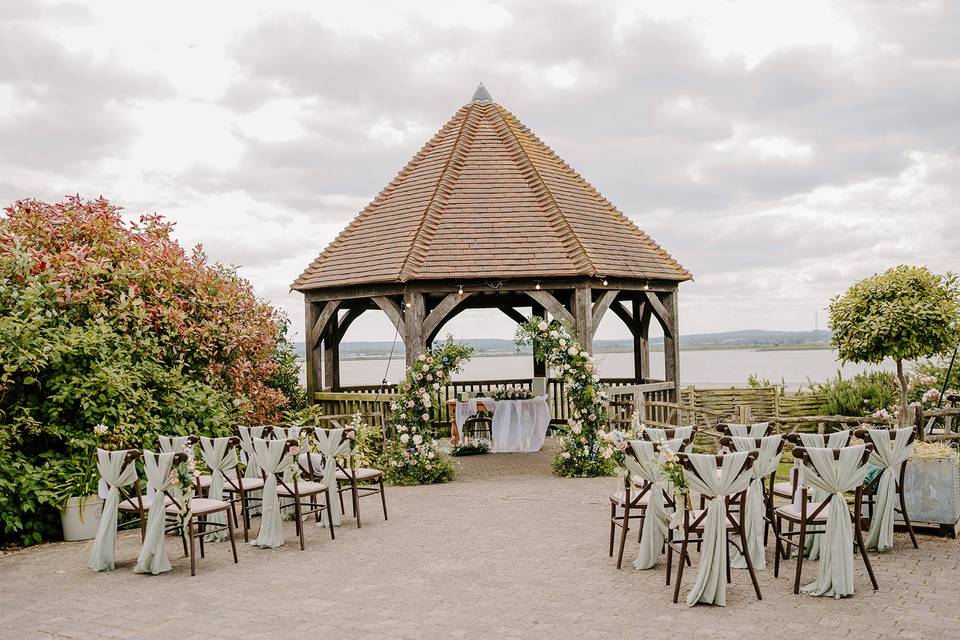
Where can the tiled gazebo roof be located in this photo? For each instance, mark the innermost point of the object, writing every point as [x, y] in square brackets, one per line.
[485, 198]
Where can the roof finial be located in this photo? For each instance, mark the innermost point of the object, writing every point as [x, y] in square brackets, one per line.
[481, 94]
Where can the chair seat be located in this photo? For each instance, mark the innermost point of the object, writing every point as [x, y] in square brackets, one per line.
[305, 488]
[784, 489]
[619, 497]
[202, 506]
[131, 505]
[247, 484]
[791, 512]
[204, 481]
[361, 474]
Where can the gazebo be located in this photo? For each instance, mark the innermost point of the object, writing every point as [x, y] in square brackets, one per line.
[486, 216]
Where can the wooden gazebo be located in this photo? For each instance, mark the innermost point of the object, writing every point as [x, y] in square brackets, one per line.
[485, 215]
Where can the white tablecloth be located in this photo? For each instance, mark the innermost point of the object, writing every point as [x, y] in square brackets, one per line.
[518, 425]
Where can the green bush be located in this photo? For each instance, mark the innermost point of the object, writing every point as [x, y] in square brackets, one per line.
[862, 395]
[110, 335]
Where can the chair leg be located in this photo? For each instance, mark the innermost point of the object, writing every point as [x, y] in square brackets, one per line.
[906, 519]
[746, 556]
[333, 536]
[683, 555]
[623, 534]
[231, 521]
[202, 527]
[613, 525]
[383, 498]
[777, 530]
[193, 555]
[669, 556]
[866, 560]
[801, 541]
[183, 539]
[299, 527]
[355, 496]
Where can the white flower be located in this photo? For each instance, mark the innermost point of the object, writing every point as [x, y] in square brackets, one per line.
[931, 395]
[417, 439]
[430, 455]
[405, 438]
[428, 466]
[100, 429]
[606, 453]
[411, 403]
[542, 326]
[565, 455]
[422, 356]
[576, 427]
[573, 351]
[425, 368]
[427, 402]
[425, 416]
[402, 428]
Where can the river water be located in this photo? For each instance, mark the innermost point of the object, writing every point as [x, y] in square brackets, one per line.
[716, 368]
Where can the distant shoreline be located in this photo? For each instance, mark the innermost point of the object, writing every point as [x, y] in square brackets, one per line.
[654, 349]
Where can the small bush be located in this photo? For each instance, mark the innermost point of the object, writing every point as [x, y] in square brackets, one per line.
[862, 395]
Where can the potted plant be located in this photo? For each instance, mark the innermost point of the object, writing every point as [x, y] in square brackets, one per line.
[73, 490]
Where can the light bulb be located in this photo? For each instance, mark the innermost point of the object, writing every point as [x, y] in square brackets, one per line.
[646, 285]
[409, 304]
[604, 282]
[537, 287]
[460, 289]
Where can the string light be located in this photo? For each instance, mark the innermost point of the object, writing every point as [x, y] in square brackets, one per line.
[409, 304]
[460, 289]
[538, 286]
[646, 285]
[605, 282]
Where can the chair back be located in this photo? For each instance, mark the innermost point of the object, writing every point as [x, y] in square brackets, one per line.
[220, 456]
[754, 430]
[834, 440]
[768, 448]
[716, 476]
[177, 444]
[656, 433]
[642, 457]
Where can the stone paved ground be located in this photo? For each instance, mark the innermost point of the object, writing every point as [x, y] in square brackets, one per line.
[507, 551]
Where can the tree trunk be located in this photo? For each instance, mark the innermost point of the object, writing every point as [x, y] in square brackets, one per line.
[904, 414]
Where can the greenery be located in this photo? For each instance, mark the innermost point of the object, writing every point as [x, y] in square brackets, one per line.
[105, 322]
[584, 450]
[905, 313]
[474, 447]
[862, 395]
[413, 456]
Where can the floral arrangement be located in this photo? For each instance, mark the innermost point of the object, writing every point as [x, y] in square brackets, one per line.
[583, 452]
[414, 457]
[474, 447]
[184, 477]
[510, 393]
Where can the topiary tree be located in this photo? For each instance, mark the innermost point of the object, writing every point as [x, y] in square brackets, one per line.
[904, 313]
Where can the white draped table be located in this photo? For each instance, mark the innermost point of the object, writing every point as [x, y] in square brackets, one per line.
[518, 425]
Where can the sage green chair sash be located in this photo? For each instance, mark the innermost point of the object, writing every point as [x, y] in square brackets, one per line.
[711, 584]
[753, 522]
[249, 458]
[888, 453]
[835, 440]
[657, 434]
[220, 459]
[754, 430]
[270, 456]
[834, 478]
[110, 465]
[645, 462]
[330, 446]
[153, 554]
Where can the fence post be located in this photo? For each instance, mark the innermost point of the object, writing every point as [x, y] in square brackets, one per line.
[915, 416]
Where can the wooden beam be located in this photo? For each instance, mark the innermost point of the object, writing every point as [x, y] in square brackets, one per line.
[624, 314]
[671, 344]
[539, 366]
[321, 325]
[514, 315]
[553, 307]
[664, 316]
[583, 314]
[442, 310]
[393, 311]
[414, 337]
[311, 314]
[331, 355]
[641, 343]
[600, 307]
[346, 320]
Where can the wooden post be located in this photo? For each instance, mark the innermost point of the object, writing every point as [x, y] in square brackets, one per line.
[312, 313]
[641, 340]
[414, 313]
[539, 368]
[331, 354]
[671, 343]
[583, 317]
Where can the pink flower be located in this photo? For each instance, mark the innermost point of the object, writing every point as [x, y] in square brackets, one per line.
[294, 450]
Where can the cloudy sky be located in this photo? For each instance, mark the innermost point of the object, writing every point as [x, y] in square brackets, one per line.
[779, 150]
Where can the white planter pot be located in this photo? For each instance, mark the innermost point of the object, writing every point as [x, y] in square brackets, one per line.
[81, 524]
[932, 492]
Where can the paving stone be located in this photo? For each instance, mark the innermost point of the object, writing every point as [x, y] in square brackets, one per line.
[506, 551]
